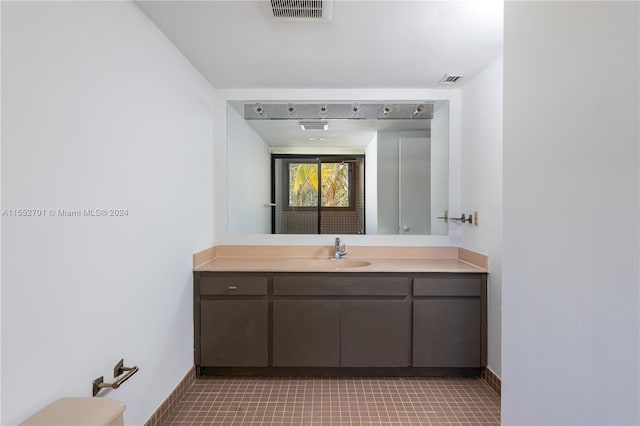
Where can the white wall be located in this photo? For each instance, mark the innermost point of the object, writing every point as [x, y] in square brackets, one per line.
[100, 111]
[249, 172]
[0, 219]
[220, 162]
[481, 187]
[570, 294]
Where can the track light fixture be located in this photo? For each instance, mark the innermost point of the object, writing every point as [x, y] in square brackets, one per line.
[325, 111]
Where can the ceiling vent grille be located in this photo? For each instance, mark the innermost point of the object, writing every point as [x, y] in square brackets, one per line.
[451, 78]
[299, 10]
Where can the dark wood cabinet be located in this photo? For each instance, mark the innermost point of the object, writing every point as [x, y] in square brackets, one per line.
[231, 320]
[446, 333]
[236, 333]
[306, 333]
[375, 333]
[449, 320]
[419, 323]
[345, 320]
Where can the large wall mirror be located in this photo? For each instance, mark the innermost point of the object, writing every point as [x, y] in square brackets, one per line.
[338, 167]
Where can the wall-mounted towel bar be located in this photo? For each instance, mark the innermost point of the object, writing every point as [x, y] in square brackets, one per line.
[463, 218]
[118, 370]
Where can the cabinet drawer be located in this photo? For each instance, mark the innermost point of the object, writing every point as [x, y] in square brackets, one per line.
[447, 285]
[232, 285]
[313, 285]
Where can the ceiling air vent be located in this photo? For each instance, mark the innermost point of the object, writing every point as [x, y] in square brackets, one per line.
[299, 10]
[451, 78]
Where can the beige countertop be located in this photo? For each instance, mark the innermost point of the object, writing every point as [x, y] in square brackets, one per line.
[359, 259]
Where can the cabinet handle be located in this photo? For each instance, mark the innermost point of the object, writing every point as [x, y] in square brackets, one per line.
[232, 287]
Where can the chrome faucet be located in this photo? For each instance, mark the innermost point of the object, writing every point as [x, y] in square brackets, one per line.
[340, 250]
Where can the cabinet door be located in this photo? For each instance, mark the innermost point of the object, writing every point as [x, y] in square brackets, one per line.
[235, 333]
[306, 333]
[446, 333]
[375, 333]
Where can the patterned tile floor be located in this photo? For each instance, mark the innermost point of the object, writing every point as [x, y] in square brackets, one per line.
[338, 401]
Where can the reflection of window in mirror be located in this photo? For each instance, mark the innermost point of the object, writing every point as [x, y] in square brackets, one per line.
[318, 194]
[334, 180]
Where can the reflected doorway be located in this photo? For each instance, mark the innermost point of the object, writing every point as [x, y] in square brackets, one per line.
[414, 203]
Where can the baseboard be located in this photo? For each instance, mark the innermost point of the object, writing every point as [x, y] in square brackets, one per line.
[161, 415]
[338, 371]
[492, 380]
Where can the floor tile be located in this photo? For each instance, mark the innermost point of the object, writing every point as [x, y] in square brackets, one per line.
[337, 401]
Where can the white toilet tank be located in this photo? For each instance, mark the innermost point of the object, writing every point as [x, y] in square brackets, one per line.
[80, 412]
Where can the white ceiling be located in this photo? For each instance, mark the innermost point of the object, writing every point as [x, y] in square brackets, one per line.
[367, 44]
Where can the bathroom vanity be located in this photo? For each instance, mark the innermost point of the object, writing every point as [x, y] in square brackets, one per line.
[392, 316]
